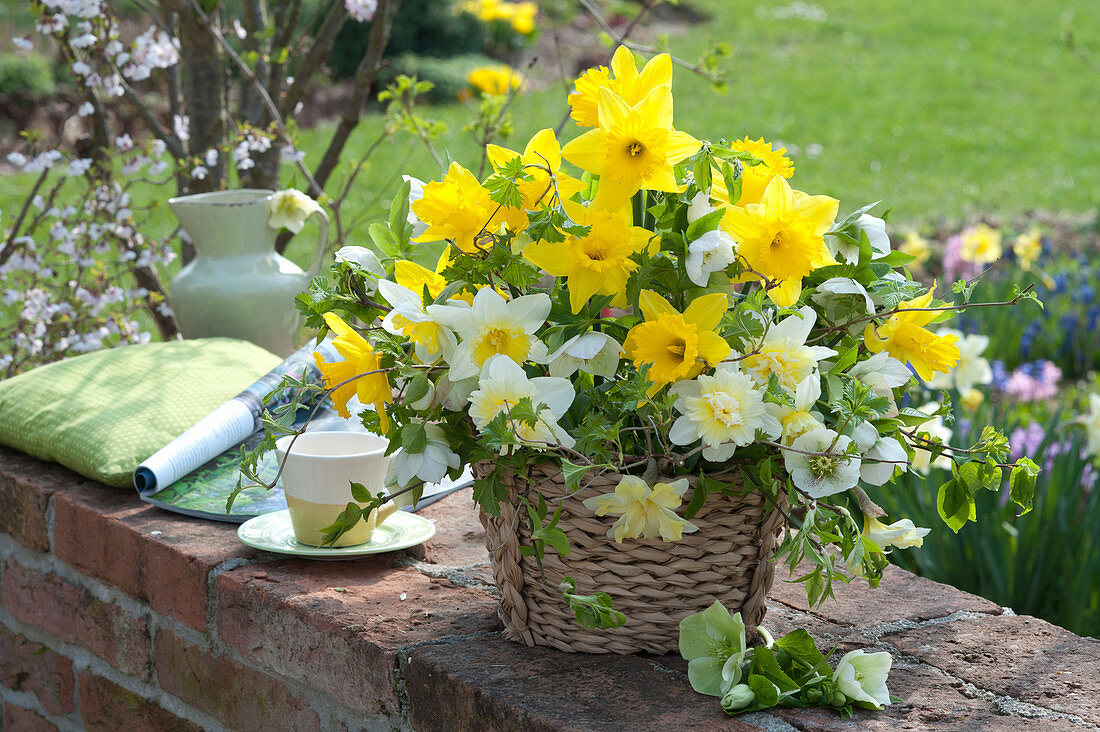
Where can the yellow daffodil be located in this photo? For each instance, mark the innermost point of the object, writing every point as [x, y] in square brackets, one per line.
[411, 275]
[459, 209]
[981, 245]
[542, 150]
[359, 358]
[677, 345]
[634, 147]
[495, 80]
[632, 86]
[522, 17]
[905, 338]
[598, 262]
[916, 246]
[644, 511]
[782, 238]
[754, 178]
[1027, 248]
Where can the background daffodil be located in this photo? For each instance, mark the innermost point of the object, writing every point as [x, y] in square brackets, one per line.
[632, 86]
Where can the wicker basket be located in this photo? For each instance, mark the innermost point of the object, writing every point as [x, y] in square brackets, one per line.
[654, 583]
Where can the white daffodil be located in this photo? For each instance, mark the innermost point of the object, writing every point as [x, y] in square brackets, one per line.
[883, 373]
[881, 455]
[1091, 422]
[861, 677]
[289, 209]
[409, 319]
[362, 258]
[429, 465]
[416, 192]
[724, 410]
[933, 428]
[844, 299]
[593, 352]
[491, 326]
[784, 352]
[643, 511]
[902, 534]
[971, 368]
[874, 227]
[821, 475]
[503, 384]
[802, 418]
[711, 252]
[699, 207]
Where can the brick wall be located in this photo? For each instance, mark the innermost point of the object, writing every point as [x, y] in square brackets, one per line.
[115, 615]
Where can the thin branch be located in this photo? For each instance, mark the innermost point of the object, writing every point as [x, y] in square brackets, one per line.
[322, 44]
[158, 129]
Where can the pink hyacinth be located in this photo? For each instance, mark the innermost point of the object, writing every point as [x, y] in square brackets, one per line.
[954, 268]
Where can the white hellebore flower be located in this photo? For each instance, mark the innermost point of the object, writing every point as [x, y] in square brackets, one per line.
[416, 192]
[361, 257]
[922, 459]
[724, 410]
[407, 318]
[881, 455]
[844, 299]
[971, 369]
[699, 207]
[503, 384]
[883, 373]
[784, 352]
[593, 352]
[874, 227]
[290, 209]
[822, 475]
[861, 677]
[799, 420]
[711, 252]
[430, 465]
[902, 534]
[491, 326]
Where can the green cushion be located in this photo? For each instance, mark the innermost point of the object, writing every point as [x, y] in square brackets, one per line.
[103, 413]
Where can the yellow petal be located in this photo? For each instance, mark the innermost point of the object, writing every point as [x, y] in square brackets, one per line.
[870, 338]
[681, 145]
[543, 149]
[553, 258]
[623, 64]
[499, 156]
[656, 108]
[613, 111]
[662, 179]
[582, 286]
[778, 197]
[653, 305]
[587, 152]
[658, 71]
[713, 348]
[786, 294]
[707, 311]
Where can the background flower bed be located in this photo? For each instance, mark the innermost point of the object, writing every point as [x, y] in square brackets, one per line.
[950, 118]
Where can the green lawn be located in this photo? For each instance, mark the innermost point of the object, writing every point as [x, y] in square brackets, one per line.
[941, 109]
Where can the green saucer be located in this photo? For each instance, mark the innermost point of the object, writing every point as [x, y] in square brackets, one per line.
[272, 532]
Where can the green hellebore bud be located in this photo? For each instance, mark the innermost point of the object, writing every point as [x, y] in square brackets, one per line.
[812, 696]
[738, 697]
[838, 699]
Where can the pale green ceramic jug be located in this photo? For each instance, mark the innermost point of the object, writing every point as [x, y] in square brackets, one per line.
[237, 286]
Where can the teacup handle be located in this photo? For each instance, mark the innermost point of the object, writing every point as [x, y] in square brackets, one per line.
[384, 511]
[322, 243]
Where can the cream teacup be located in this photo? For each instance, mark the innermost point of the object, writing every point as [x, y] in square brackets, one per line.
[317, 476]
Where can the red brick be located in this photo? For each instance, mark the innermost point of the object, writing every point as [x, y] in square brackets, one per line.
[489, 683]
[291, 617]
[900, 596]
[74, 615]
[32, 667]
[1019, 657]
[104, 704]
[150, 554]
[26, 485]
[18, 719]
[241, 697]
[460, 538]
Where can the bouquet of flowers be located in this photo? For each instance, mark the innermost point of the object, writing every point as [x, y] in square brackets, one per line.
[666, 310]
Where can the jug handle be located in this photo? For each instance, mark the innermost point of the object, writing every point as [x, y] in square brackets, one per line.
[322, 243]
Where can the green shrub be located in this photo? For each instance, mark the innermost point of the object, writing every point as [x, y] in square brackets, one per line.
[422, 27]
[448, 74]
[25, 78]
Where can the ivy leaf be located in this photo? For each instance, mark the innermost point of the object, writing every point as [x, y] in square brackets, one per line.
[573, 474]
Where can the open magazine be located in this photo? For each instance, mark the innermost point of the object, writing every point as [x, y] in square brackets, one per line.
[195, 473]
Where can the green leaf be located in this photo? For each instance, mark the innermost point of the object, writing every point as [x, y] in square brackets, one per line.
[801, 647]
[399, 212]
[360, 493]
[417, 388]
[955, 504]
[573, 474]
[384, 239]
[1021, 484]
[414, 438]
[764, 663]
[896, 259]
[703, 224]
[767, 695]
